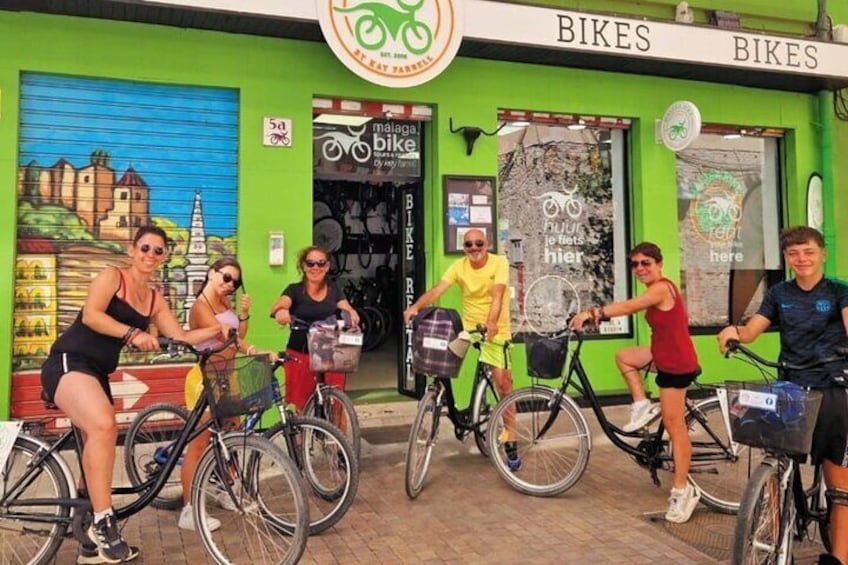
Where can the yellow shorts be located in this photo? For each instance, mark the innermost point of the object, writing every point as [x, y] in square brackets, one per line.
[193, 386]
[496, 354]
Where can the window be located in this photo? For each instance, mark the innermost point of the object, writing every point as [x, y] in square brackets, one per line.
[728, 217]
[562, 219]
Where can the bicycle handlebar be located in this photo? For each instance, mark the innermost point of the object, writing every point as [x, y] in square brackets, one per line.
[734, 346]
[171, 347]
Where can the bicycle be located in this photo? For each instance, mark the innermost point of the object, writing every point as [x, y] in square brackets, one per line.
[331, 404]
[473, 420]
[40, 504]
[554, 439]
[319, 450]
[777, 508]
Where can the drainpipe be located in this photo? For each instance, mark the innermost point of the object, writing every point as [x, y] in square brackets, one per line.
[825, 99]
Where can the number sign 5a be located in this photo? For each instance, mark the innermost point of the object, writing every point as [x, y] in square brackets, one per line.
[277, 132]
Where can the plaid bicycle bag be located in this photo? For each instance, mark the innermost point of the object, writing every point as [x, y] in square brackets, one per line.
[432, 331]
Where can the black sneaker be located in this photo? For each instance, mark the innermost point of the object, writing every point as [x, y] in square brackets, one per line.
[111, 547]
[88, 554]
[513, 461]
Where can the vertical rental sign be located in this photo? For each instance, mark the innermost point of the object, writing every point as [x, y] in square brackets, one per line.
[393, 43]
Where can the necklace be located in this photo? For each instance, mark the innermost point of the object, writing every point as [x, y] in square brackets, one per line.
[211, 306]
[137, 297]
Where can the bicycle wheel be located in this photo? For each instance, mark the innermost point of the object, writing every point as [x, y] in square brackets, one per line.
[422, 438]
[337, 409]
[485, 400]
[720, 479]
[326, 462]
[551, 461]
[147, 446]
[22, 540]
[272, 520]
[756, 537]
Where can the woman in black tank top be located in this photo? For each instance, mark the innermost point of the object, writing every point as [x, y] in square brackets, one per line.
[118, 311]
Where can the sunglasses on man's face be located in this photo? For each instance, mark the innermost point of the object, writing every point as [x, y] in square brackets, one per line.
[479, 243]
[318, 263]
[228, 278]
[146, 247]
[642, 263]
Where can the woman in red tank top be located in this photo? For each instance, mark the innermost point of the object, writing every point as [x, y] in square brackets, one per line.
[671, 355]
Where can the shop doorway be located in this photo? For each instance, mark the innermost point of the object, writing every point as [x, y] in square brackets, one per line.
[367, 191]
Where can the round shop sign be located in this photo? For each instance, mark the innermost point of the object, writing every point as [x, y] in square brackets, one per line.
[680, 126]
[393, 43]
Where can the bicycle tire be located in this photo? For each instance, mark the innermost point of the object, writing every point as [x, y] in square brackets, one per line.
[721, 483]
[485, 400]
[155, 428]
[272, 520]
[338, 410]
[757, 531]
[419, 451]
[821, 533]
[328, 466]
[23, 540]
[550, 464]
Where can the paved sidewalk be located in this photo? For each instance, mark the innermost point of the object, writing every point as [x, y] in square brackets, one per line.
[467, 514]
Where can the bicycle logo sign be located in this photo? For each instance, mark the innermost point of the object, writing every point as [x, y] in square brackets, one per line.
[394, 43]
[716, 213]
[339, 143]
[554, 203]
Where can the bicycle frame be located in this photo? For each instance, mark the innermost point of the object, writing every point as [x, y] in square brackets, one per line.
[653, 451]
[481, 373]
[149, 489]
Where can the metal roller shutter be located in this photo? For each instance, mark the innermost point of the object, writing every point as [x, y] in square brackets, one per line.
[99, 158]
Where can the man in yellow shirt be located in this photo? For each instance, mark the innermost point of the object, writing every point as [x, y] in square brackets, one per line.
[483, 279]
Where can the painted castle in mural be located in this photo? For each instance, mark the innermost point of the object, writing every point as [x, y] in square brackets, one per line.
[73, 222]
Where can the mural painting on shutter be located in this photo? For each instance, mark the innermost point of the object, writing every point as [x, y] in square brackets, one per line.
[99, 158]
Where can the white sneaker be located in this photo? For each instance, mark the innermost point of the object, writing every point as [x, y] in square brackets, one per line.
[682, 503]
[641, 413]
[186, 521]
[224, 499]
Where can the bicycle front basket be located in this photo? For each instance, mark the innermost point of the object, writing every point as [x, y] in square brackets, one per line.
[238, 385]
[777, 416]
[545, 355]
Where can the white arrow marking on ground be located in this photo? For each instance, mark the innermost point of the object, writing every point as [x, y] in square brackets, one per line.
[130, 389]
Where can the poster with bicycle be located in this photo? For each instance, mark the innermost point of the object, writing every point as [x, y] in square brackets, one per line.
[378, 150]
[727, 201]
[559, 192]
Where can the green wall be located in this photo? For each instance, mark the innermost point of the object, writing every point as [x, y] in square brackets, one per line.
[280, 78]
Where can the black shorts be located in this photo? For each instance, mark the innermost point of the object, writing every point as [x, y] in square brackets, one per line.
[670, 380]
[60, 364]
[830, 438]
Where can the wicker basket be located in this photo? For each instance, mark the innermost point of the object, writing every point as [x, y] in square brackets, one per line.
[778, 416]
[238, 385]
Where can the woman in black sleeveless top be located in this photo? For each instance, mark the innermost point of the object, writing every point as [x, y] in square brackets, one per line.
[117, 312]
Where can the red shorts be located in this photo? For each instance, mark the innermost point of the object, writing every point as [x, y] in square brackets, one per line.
[300, 381]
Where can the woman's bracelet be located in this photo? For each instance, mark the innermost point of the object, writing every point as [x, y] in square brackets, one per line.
[129, 334]
[246, 318]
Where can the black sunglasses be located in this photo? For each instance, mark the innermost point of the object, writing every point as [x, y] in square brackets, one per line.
[146, 247]
[318, 263]
[228, 278]
[475, 243]
[643, 262]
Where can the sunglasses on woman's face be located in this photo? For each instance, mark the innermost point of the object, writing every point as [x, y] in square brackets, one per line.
[316, 263]
[642, 263]
[479, 243]
[146, 247]
[228, 278]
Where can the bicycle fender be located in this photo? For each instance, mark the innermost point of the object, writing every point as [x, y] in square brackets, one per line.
[568, 400]
[69, 476]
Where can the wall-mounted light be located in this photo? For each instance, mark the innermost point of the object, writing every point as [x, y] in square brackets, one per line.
[578, 125]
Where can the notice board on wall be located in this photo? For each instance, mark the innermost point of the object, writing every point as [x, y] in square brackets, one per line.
[469, 203]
